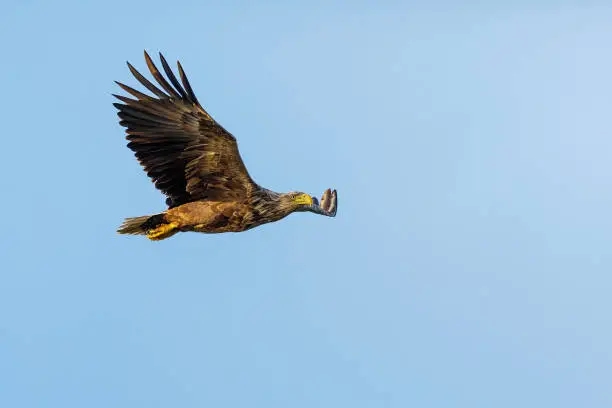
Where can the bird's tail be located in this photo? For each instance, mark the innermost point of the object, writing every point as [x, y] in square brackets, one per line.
[155, 227]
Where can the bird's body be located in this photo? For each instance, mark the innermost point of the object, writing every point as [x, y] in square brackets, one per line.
[195, 162]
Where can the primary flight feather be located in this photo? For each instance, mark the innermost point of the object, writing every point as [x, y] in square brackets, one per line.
[195, 162]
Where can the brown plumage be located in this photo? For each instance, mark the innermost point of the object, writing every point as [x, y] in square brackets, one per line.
[195, 162]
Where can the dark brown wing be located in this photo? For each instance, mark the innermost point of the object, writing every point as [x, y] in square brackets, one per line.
[186, 153]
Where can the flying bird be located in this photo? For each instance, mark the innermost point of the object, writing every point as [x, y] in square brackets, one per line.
[195, 162]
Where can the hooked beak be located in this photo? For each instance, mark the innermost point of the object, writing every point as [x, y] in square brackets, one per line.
[304, 199]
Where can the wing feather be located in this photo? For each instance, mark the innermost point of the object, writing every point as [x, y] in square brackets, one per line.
[172, 78]
[186, 84]
[146, 82]
[134, 92]
[158, 76]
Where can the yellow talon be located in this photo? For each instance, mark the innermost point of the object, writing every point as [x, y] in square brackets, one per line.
[163, 231]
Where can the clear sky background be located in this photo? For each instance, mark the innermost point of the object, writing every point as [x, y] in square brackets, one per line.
[470, 263]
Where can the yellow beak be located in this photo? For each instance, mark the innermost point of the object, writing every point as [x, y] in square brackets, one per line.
[303, 199]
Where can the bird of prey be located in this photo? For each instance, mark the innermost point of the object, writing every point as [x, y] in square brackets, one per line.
[195, 162]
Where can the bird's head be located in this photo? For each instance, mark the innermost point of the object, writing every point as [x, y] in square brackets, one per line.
[271, 206]
[297, 201]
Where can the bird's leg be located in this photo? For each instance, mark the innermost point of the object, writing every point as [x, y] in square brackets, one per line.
[163, 231]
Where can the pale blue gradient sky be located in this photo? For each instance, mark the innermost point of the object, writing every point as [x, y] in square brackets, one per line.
[470, 262]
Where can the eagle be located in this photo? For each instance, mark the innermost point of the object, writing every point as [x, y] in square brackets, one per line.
[195, 163]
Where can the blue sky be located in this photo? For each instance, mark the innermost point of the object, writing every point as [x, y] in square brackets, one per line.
[469, 264]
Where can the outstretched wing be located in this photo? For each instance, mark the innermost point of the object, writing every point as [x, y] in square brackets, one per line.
[183, 150]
